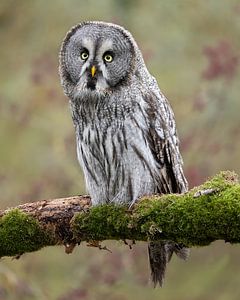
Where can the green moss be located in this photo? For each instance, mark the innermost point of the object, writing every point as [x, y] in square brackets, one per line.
[20, 233]
[181, 218]
[102, 222]
[193, 221]
[220, 181]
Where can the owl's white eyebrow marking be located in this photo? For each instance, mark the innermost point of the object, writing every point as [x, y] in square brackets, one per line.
[106, 46]
[88, 43]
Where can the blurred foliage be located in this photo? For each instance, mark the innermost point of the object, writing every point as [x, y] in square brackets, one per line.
[192, 48]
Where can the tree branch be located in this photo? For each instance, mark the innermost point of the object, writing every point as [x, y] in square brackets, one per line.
[204, 214]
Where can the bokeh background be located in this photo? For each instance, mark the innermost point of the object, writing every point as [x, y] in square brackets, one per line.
[192, 48]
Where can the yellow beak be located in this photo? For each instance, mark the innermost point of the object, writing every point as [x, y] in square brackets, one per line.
[93, 71]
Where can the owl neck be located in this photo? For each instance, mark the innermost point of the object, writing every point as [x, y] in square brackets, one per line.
[100, 111]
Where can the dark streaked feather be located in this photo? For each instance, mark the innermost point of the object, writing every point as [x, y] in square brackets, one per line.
[163, 142]
[158, 260]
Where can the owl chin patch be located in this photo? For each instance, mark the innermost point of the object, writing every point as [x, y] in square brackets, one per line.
[91, 84]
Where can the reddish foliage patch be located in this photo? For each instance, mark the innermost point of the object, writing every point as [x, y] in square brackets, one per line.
[215, 148]
[187, 141]
[75, 294]
[43, 67]
[194, 177]
[223, 62]
[236, 8]
[199, 102]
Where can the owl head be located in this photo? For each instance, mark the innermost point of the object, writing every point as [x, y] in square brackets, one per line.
[96, 57]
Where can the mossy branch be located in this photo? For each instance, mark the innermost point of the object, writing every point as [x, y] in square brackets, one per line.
[204, 214]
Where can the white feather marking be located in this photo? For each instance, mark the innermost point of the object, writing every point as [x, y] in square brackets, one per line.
[106, 46]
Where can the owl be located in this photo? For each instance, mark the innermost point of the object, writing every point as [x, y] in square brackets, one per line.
[127, 144]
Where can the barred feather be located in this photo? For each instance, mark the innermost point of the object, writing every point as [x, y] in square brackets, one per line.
[126, 135]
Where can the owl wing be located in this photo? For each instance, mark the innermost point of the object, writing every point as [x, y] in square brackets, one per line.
[164, 143]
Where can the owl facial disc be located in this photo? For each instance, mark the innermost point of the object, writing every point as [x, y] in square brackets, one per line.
[96, 59]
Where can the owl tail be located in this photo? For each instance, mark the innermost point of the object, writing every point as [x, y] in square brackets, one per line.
[160, 253]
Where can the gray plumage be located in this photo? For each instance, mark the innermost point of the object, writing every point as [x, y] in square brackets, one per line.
[127, 143]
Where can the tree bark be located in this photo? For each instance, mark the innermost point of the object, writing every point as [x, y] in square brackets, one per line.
[204, 214]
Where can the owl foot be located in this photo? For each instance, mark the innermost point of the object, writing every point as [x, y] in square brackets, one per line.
[97, 245]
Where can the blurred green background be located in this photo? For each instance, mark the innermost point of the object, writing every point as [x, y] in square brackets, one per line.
[192, 48]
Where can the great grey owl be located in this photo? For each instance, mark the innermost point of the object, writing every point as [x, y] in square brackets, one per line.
[127, 143]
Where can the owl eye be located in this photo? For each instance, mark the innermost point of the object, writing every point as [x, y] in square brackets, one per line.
[84, 55]
[108, 57]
